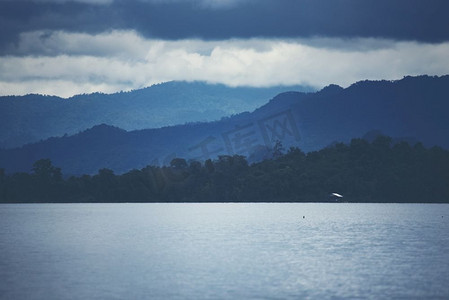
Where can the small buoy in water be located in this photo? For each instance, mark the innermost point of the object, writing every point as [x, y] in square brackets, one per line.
[303, 217]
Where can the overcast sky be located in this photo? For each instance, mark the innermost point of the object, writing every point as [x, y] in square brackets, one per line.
[63, 47]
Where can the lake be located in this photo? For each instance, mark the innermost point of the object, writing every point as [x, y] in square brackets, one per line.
[224, 251]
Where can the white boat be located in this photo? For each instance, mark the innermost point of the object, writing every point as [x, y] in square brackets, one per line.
[335, 197]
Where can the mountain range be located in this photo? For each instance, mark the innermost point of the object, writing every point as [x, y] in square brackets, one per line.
[413, 108]
[31, 118]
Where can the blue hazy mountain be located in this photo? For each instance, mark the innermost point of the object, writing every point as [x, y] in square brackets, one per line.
[30, 118]
[414, 108]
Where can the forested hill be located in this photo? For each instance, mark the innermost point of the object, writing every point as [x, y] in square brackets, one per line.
[30, 118]
[363, 172]
[414, 108]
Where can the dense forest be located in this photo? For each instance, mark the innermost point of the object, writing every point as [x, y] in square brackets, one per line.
[412, 109]
[377, 171]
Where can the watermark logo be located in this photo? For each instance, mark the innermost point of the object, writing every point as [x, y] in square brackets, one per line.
[243, 139]
[277, 127]
[206, 148]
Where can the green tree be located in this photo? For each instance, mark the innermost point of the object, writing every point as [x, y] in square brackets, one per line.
[2, 185]
[278, 149]
[178, 163]
[44, 169]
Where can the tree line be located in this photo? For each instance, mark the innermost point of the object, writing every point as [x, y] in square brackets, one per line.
[362, 171]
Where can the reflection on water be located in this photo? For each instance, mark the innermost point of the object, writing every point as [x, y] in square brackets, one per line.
[226, 251]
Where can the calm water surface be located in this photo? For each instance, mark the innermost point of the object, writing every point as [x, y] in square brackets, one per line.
[224, 251]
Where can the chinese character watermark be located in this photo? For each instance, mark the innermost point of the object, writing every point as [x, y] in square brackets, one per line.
[245, 138]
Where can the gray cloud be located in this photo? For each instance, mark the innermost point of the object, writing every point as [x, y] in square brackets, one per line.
[66, 47]
[224, 19]
[95, 2]
[214, 4]
[71, 63]
[220, 4]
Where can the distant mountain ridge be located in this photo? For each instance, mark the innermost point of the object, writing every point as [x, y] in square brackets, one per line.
[415, 108]
[30, 118]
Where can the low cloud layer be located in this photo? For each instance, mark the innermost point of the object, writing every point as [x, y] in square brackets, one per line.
[64, 64]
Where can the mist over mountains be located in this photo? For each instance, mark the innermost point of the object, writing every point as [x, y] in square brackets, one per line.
[31, 118]
[414, 108]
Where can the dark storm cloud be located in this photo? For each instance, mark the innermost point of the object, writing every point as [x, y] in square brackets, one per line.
[23, 16]
[421, 20]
